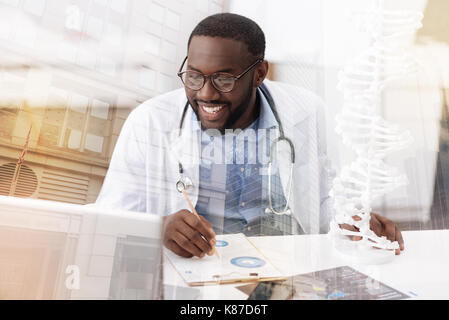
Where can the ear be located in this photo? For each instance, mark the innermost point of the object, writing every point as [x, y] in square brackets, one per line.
[260, 73]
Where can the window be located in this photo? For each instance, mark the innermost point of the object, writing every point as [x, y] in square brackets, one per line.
[169, 51]
[147, 78]
[152, 45]
[119, 6]
[172, 20]
[75, 122]
[35, 7]
[202, 5]
[165, 83]
[8, 116]
[93, 40]
[113, 34]
[26, 34]
[13, 3]
[12, 87]
[157, 13]
[94, 27]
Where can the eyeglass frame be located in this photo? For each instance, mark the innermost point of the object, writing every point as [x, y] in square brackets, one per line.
[205, 77]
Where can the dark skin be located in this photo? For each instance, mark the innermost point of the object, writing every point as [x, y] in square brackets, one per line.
[209, 55]
[382, 227]
[184, 233]
[187, 236]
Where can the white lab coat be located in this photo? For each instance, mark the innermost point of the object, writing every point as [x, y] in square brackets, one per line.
[144, 166]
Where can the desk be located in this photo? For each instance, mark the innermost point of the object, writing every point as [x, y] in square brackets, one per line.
[422, 268]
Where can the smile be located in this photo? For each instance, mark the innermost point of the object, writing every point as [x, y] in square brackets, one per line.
[212, 110]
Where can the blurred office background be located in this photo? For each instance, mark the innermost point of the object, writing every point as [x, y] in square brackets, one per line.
[72, 70]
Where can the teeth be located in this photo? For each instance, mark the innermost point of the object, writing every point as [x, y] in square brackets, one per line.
[212, 109]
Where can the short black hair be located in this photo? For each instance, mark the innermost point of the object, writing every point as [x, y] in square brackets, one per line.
[232, 26]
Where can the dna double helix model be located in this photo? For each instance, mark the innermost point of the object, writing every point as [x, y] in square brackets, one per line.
[363, 129]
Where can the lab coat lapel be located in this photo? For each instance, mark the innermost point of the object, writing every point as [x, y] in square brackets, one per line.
[284, 161]
[292, 116]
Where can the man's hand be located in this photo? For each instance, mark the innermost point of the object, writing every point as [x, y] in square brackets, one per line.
[187, 236]
[381, 227]
[385, 227]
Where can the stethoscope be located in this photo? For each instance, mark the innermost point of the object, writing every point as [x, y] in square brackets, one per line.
[184, 183]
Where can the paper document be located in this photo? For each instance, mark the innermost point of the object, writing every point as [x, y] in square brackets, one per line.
[240, 261]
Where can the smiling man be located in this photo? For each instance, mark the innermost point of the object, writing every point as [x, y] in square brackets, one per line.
[215, 107]
[252, 151]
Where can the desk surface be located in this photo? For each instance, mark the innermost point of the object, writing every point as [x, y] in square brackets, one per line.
[421, 270]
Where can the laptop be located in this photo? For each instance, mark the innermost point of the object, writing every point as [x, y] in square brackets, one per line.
[52, 250]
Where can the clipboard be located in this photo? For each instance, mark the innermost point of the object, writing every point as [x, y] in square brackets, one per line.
[240, 261]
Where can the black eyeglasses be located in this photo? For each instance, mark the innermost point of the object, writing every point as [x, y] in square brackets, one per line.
[221, 81]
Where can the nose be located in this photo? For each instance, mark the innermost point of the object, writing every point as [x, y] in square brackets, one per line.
[208, 91]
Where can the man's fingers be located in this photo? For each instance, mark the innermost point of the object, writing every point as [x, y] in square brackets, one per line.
[187, 245]
[207, 223]
[399, 239]
[213, 241]
[351, 228]
[187, 234]
[383, 221]
[195, 237]
[382, 227]
[390, 231]
[376, 225]
[173, 246]
[201, 226]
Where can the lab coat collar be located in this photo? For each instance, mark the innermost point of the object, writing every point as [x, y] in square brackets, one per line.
[266, 117]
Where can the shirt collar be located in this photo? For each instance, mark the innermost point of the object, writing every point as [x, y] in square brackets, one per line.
[266, 116]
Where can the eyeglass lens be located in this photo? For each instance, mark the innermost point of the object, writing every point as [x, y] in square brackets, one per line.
[195, 81]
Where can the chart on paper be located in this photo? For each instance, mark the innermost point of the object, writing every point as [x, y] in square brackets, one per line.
[239, 260]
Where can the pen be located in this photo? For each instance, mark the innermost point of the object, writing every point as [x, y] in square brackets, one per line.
[195, 213]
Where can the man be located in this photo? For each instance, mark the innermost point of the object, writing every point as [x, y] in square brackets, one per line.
[224, 141]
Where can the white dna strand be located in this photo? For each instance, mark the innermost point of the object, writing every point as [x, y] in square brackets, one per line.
[357, 185]
[363, 129]
[368, 134]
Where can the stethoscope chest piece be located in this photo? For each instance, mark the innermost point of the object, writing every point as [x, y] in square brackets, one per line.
[184, 183]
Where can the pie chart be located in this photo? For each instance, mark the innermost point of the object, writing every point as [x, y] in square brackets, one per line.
[248, 262]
